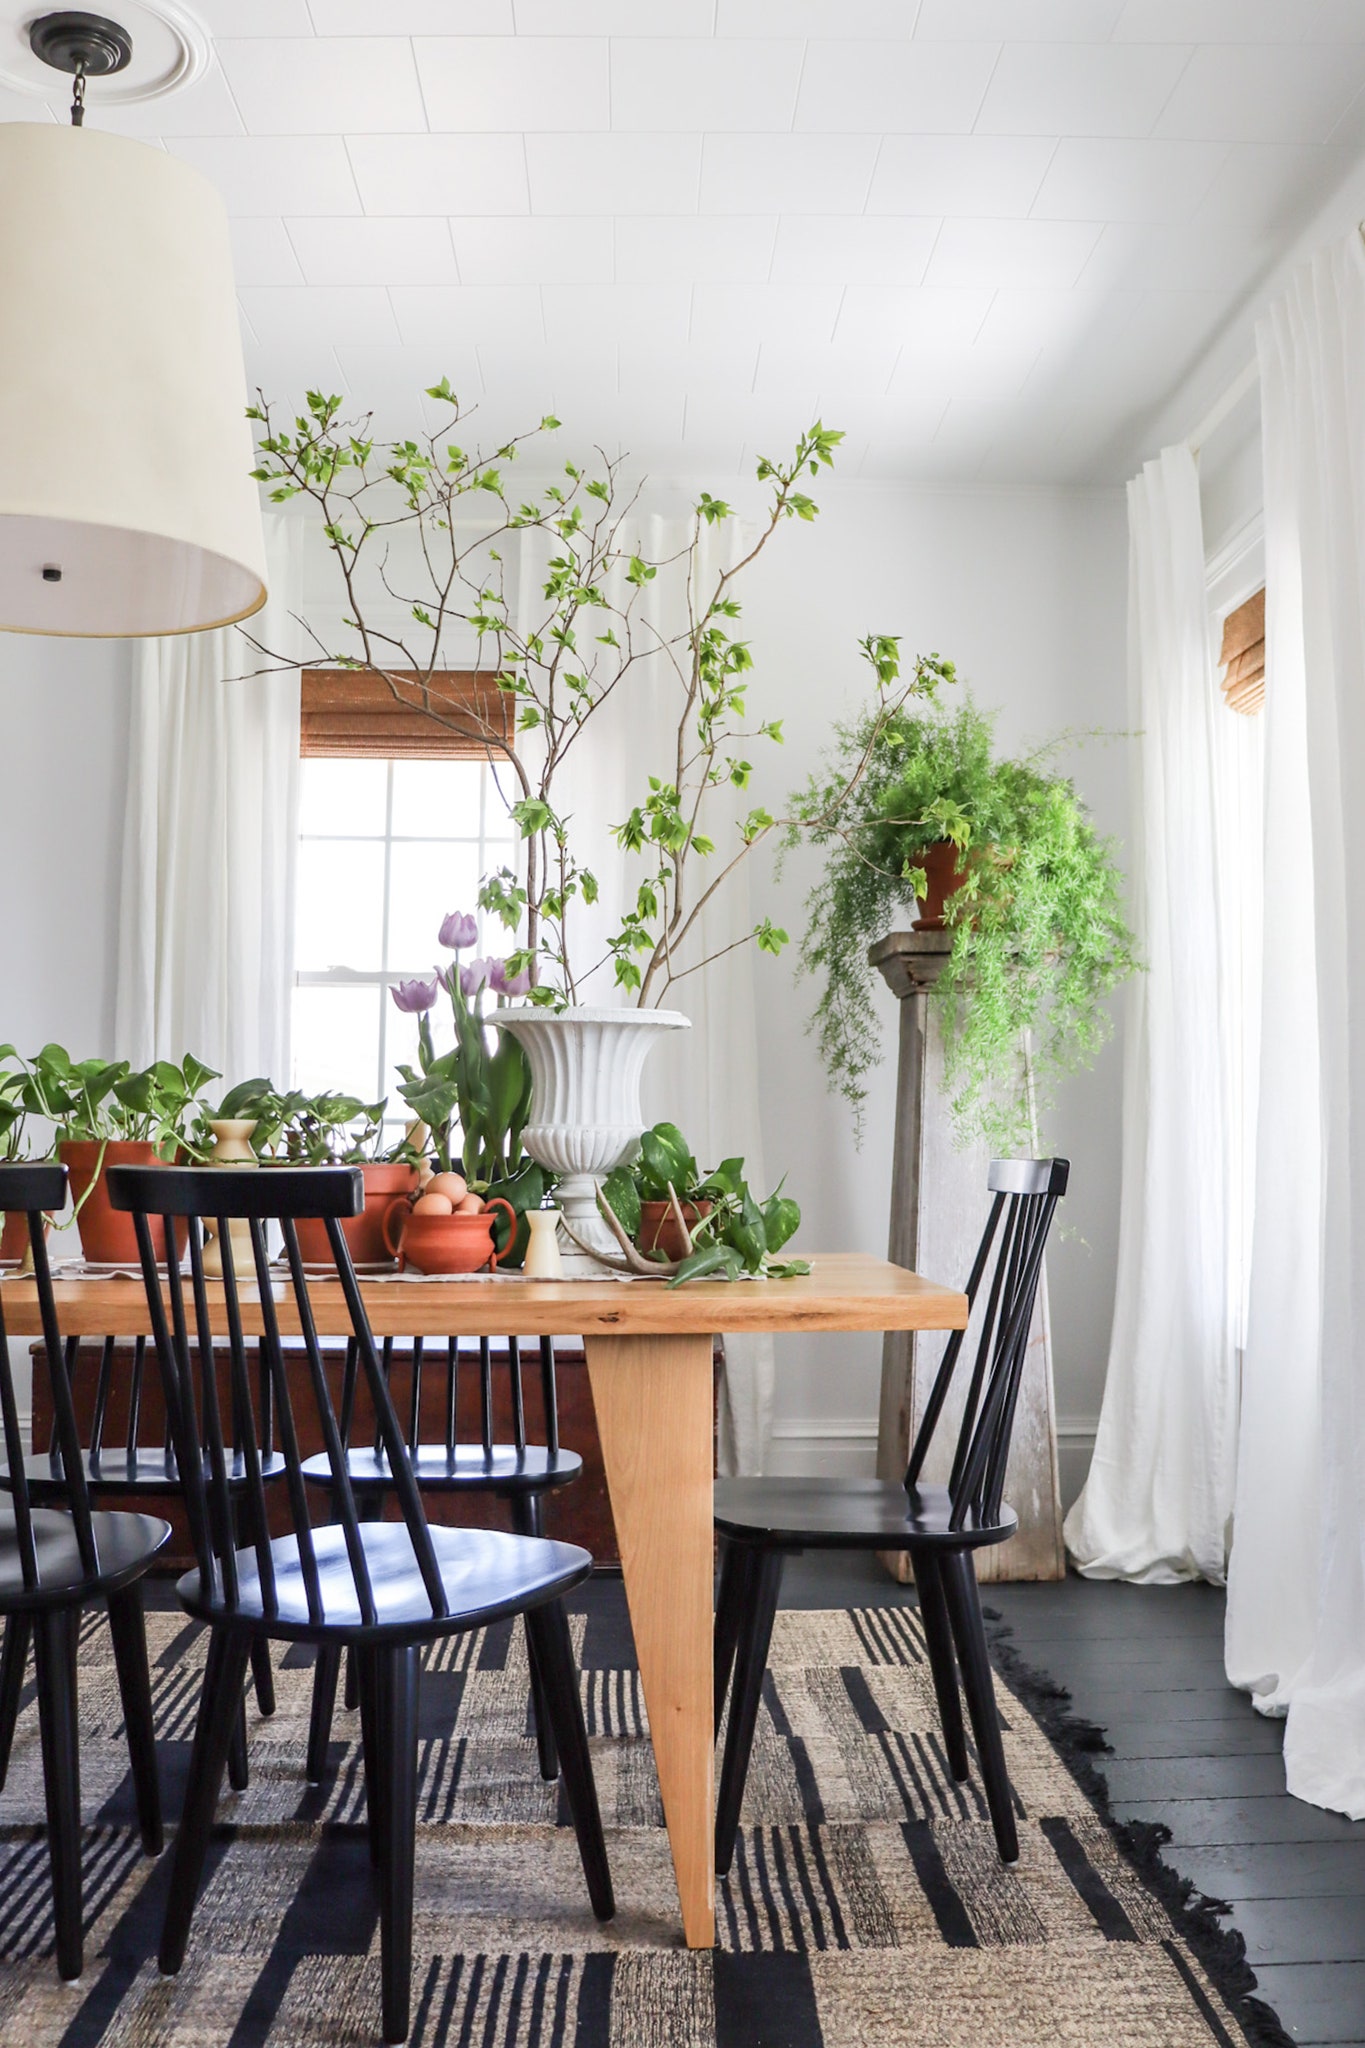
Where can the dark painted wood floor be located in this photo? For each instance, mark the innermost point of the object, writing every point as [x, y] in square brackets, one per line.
[1146, 1664]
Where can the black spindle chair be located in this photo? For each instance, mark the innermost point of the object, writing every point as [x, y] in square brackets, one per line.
[121, 1470]
[763, 1521]
[519, 1473]
[55, 1562]
[385, 1588]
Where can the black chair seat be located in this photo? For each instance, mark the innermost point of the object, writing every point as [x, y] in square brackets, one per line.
[849, 1514]
[113, 1470]
[486, 1575]
[125, 1545]
[463, 1468]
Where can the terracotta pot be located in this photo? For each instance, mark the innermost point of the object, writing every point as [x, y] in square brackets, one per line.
[14, 1235]
[447, 1244]
[107, 1235]
[659, 1230]
[943, 878]
[387, 1189]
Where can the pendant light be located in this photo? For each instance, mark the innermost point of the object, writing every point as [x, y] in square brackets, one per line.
[126, 507]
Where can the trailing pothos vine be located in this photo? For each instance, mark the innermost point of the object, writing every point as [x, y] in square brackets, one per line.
[1039, 937]
[429, 513]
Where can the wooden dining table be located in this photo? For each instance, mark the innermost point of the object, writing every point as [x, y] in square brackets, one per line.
[649, 1352]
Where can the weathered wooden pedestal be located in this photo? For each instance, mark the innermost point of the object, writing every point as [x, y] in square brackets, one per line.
[938, 1211]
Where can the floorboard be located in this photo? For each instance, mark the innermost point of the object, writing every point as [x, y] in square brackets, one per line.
[1145, 1663]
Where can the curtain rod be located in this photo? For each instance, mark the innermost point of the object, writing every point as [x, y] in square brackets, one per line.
[1244, 382]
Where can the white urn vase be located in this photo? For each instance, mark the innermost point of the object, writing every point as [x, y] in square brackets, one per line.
[586, 1117]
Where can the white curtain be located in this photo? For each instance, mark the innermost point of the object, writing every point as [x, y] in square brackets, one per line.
[1157, 1503]
[1296, 1599]
[205, 960]
[706, 1079]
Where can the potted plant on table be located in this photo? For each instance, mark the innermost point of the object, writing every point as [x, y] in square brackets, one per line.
[105, 1113]
[472, 1099]
[673, 1222]
[1000, 853]
[560, 630]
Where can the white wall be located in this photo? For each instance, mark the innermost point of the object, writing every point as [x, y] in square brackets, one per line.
[1025, 591]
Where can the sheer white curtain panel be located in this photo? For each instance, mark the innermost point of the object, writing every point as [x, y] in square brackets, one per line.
[1157, 1502]
[1296, 1592]
[205, 961]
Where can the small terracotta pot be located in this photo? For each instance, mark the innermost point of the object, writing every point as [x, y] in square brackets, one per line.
[14, 1235]
[943, 878]
[659, 1230]
[447, 1244]
[387, 1190]
[107, 1234]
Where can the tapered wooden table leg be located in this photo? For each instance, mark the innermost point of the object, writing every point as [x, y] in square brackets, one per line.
[653, 1397]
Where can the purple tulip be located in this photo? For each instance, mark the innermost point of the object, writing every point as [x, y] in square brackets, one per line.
[416, 995]
[459, 930]
[504, 984]
[473, 978]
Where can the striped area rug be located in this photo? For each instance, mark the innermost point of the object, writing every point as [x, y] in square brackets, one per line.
[867, 1907]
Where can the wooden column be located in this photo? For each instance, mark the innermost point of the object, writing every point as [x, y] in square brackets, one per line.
[938, 1211]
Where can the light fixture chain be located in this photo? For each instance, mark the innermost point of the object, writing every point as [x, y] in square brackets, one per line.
[78, 97]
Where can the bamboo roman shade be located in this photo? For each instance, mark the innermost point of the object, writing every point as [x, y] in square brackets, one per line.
[350, 712]
[1243, 655]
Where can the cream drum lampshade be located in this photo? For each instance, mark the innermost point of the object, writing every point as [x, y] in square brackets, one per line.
[126, 507]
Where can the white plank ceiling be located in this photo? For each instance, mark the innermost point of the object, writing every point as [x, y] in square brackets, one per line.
[985, 237]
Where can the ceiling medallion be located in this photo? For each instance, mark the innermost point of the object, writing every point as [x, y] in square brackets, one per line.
[155, 47]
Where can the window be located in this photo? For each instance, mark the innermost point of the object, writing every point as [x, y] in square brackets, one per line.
[388, 843]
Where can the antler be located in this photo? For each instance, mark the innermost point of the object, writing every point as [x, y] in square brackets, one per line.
[633, 1260]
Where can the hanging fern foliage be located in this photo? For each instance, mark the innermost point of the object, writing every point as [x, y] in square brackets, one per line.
[1039, 939]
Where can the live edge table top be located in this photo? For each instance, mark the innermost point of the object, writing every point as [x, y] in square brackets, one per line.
[844, 1291]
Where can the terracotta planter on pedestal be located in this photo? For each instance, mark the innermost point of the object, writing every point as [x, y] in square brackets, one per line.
[944, 876]
[387, 1189]
[14, 1236]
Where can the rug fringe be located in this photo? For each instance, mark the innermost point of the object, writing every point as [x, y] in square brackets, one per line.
[1220, 1949]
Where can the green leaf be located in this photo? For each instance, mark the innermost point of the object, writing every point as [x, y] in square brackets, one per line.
[624, 1199]
[712, 1258]
[781, 1220]
[788, 1269]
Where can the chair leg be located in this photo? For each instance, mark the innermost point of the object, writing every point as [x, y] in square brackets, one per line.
[220, 1706]
[326, 1670]
[755, 1634]
[363, 1661]
[397, 1673]
[54, 1644]
[129, 1632]
[735, 1560]
[969, 1633]
[13, 1664]
[528, 1519]
[938, 1637]
[262, 1672]
[548, 1629]
[239, 1776]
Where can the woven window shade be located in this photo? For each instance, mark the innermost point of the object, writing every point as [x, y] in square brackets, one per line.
[1243, 656]
[350, 712]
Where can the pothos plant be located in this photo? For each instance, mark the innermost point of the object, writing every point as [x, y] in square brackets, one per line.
[419, 531]
[728, 1231]
[1039, 938]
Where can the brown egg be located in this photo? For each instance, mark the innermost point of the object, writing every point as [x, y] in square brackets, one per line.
[453, 1186]
[433, 1205]
[472, 1205]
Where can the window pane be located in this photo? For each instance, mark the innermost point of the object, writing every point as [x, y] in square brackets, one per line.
[342, 796]
[427, 879]
[340, 904]
[440, 798]
[336, 1040]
